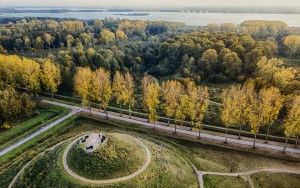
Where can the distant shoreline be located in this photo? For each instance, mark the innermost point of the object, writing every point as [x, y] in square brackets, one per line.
[143, 12]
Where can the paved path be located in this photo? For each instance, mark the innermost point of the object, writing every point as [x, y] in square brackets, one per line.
[31, 136]
[246, 174]
[144, 122]
[113, 180]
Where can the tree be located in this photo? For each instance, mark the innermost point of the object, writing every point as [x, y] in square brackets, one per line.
[128, 92]
[232, 64]
[102, 88]
[230, 113]
[48, 39]
[85, 38]
[201, 105]
[210, 59]
[119, 86]
[291, 124]
[38, 43]
[69, 40]
[292, 43]
[50, 76]
[171, 91]
[120, 35]
[271, 103]
[106, 36]
[272, 73]
[83, 83]
[151, 100]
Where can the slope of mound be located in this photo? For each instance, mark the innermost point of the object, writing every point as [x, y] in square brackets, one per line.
[120, 156]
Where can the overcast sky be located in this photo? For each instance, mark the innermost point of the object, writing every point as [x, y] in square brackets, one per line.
[147, 3]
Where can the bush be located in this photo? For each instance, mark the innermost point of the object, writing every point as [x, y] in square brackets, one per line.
[5, 126]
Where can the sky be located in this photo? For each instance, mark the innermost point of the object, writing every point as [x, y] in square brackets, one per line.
[146, 4]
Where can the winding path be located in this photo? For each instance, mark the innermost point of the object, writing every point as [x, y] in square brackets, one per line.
[108, 181]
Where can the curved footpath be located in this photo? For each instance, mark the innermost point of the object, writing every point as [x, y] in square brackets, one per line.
[144, 122]
[108, 181]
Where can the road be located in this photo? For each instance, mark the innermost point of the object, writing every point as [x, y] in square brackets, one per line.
[43, 129]
[144, 122]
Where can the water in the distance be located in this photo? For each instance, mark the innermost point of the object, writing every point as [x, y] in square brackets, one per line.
[188, 18]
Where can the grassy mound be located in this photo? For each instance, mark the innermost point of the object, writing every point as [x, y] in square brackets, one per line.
[120, 156]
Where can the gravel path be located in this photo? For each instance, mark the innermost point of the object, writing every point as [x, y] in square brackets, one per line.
[109, 181]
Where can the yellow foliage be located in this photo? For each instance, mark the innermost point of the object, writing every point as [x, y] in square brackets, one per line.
[50, 76]
[83, 85]
[292, 122]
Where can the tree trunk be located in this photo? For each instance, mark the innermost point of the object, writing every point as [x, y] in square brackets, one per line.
[199, 133]
[175, 129]
[90, 108]
[52, 95]
[168, 122]
[267, 134]
[240, 131]
[120, 110]
[191, 125]
[254, 141]
[154, 124]
[106, 113]
[226, 136]
[129, 109]
[285, 145]
[296, 145]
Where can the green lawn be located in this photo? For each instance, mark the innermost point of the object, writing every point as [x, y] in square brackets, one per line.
[212, 181]
[271, 180]
[21, 129]
[170, 165]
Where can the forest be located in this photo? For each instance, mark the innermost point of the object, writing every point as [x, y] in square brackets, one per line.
[162, 68]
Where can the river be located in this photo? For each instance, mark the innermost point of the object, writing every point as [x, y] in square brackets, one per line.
[188, 18]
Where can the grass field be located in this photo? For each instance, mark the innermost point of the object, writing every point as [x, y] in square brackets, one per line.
[170, 165]
[212, 181]
[47, 113]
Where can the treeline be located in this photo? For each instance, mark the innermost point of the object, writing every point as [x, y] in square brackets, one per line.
[14, 106]
[260, 102]
[36, 34]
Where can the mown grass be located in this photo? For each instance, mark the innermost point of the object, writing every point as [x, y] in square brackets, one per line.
[171, 157]
[212, 181]
[274, 180]
[19, 130]
[120, 156]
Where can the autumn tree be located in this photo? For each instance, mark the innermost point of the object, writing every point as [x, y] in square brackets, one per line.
[82, 84]
[120, 35]
[292, 43]
[270, 104]
[119, 86]
[38, 43]
[151, 100]
[107, 36]
[271, 72]
[50, 76]
[232, 65]
[48, 39]
[201, 105]
[171, 91]
[128, 92]
[291, 124]
[101, 88]
[230, 114]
